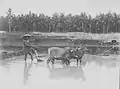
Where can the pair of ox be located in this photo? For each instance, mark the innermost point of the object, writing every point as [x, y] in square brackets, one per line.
[65, 54]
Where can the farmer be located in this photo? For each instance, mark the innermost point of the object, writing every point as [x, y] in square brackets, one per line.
[28, 48]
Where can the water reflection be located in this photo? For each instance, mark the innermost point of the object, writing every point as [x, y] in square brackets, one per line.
[27, 67]
[67, 72]
[99, 61]
[71, 72]
[5, 65]
[91, 68]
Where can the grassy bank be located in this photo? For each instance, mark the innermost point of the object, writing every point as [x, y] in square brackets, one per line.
[79, 35]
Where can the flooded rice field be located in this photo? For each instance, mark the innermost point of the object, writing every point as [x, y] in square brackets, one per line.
[94, 73]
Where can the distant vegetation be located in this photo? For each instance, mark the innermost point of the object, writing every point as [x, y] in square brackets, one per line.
[101, 23]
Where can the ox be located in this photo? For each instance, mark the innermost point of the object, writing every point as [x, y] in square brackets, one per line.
[58, 54]
[77, 53]
[66, 54]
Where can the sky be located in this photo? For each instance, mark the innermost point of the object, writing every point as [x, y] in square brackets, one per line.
[48, 7]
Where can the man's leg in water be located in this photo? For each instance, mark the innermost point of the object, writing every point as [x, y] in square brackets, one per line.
[31, 55]
[25, 57]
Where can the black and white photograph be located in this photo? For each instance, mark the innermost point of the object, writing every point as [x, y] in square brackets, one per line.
[59, 44]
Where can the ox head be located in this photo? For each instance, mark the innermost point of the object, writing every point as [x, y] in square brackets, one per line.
[85, 48]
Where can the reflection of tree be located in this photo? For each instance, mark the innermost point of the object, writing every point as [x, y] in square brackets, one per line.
[26, 71]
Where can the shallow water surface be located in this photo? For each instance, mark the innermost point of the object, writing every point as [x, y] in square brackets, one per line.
[95, 73]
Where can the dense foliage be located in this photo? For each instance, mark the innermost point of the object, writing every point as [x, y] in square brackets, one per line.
[102, 23]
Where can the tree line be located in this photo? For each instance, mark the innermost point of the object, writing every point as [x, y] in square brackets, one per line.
[59, 22]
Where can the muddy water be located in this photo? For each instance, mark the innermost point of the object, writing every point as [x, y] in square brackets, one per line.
[95, 73]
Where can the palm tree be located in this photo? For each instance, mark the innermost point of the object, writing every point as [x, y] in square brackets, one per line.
[9, 15]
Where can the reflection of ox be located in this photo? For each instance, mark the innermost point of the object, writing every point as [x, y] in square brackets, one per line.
[69, 72]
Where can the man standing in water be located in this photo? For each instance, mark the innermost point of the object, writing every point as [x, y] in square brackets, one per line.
[28, 48]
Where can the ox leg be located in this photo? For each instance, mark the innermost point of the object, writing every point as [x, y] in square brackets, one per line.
[77, 62]
[80, 61]
[63, 61]
[48, 61]
[53, 60]
[67, 61]
[77, 59]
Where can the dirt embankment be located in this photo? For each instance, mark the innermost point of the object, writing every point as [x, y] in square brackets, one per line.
[8, 40]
